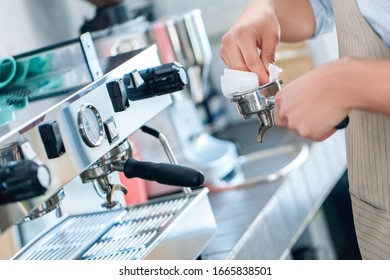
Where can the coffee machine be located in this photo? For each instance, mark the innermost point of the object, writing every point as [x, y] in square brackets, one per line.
[73, 115]
[182, 38]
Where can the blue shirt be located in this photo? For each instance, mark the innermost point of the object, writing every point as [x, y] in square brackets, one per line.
[376, 13]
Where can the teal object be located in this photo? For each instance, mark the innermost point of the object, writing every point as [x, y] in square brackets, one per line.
[7, 70]
[39, 65]
[7, 112]
[12, 71]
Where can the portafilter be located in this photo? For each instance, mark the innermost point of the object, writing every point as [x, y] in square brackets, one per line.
[120, 159]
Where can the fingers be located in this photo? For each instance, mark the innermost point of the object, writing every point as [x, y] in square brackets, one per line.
[233, 58]
[301, 128]
[268, 49]
[252, 60]
[240, 52]
[279, 118]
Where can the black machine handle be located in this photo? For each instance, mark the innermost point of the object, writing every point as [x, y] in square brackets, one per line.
[164, 173]
[343, 124]
[21, 180]
[163, 79]
[108, 16]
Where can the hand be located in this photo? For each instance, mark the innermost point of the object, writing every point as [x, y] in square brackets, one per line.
[102, 3]
[314, 104]
[257, 27]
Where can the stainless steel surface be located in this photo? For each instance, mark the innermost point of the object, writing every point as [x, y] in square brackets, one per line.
[99, 172]
[268, 162]
[42, 208]
[179, 227]
[122, 38]
[259, 102]
[116, 160]
[91, 56]
[139, 232]
[272, 164]
[103, 166]
[180, 38]
[64, 109]
[265, 219]
[70, 238]
[10, 152]
[51, 71]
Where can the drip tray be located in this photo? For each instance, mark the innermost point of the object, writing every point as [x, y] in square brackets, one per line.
[143, 231]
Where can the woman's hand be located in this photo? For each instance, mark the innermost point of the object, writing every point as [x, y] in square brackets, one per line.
[314, 104]
[256, 28]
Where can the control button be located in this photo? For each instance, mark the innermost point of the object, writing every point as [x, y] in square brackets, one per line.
[111, 130]
[52, 140]
[116, 90]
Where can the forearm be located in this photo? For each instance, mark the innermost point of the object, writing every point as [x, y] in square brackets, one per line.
[296, 19]
[313, 104]
[369, 85]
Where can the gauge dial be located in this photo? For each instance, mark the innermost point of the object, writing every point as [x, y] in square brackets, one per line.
[90, 125]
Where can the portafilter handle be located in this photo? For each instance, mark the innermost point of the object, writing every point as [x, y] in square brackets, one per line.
[163, 173]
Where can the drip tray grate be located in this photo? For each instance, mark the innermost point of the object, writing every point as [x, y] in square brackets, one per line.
[126, 234]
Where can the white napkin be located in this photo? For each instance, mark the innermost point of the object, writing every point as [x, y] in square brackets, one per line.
[236, 81]
[274, 72]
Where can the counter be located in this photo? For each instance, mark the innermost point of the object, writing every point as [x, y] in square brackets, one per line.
[265, 220]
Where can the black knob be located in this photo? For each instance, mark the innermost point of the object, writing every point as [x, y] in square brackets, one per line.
[108, 16]
[163, 79]
[164, 173]
[21, 180]
[118, 96]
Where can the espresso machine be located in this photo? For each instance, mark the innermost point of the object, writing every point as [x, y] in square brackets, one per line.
[182, 38]
[72, 113]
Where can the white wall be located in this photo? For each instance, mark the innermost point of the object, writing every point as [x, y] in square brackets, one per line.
[26, 25]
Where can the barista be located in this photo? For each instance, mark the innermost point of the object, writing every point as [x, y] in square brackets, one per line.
[357, 84]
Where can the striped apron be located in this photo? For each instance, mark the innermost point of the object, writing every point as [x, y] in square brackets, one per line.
[368, 140]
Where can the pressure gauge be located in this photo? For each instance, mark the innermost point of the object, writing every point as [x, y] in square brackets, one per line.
[90, 125]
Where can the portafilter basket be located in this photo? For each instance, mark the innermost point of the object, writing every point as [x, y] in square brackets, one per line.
[259, 102]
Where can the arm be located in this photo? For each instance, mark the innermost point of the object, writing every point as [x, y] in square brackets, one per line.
[262, 25]
[316, 102]
[296, 20]
[369, 85]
